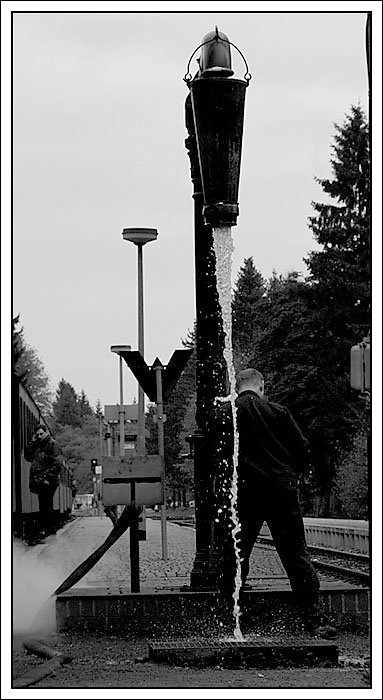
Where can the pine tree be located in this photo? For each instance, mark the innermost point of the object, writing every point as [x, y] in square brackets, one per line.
[299, 374]
[84, 406]
[18, 348]
[283, 347]
[339, 287]
[340, 271]
[247, 306]
[352, 478]
[66, 407]
[30, 369]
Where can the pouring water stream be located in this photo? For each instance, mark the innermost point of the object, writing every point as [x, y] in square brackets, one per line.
[223, 248]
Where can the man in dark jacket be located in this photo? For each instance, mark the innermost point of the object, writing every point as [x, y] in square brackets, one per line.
[44, 474]
[272, 454]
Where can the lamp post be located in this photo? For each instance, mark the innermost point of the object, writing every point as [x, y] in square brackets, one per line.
[158, 368]
[140, 236]
[214, 121]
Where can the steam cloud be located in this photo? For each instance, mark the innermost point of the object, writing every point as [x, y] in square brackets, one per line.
[33, 583]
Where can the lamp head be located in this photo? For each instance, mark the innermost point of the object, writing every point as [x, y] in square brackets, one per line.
[139, 236]
[215, 58]
[120, 348]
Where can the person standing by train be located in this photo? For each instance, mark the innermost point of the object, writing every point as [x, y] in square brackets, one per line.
[272, 454]
[43, 453]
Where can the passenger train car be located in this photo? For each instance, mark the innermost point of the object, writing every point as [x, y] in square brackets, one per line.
[25, 506]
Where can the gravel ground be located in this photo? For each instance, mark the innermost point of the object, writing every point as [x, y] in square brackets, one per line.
[113, 662]
[343, 561]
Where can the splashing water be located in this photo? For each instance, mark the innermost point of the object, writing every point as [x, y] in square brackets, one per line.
[223, 248]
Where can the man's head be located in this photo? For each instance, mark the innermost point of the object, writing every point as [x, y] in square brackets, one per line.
[41, 432]
[250, 380]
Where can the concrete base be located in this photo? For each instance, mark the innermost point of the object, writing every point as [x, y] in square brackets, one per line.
[180, 613]
[261, 652]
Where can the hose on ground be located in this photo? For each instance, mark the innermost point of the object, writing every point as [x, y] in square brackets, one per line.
[129, 515]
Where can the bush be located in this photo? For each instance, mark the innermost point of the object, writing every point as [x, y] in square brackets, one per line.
[352, 480]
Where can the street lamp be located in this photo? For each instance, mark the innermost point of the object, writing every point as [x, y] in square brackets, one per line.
[140, 236]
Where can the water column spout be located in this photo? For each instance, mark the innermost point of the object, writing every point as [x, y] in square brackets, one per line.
[223, 248]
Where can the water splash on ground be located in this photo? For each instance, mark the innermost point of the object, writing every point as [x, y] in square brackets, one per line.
[223, 248]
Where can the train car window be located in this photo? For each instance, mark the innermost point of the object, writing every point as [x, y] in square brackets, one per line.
[28, 424]
[26, 436]
[25, 424]
[21, 423]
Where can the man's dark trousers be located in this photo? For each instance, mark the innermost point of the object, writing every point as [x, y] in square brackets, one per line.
[45, 496]
[278, 505]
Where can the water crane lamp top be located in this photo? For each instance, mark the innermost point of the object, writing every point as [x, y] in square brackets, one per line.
[215, 58]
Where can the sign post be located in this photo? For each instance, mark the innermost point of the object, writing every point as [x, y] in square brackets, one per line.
[158, 367]
[132, 481]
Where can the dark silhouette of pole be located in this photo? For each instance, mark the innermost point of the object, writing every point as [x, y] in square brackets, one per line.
[214, 120]
[210, 372]
[141, 396]
[138, 236]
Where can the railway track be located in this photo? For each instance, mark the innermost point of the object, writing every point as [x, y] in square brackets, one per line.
[345, 565]
[356, 576]
[349, 566]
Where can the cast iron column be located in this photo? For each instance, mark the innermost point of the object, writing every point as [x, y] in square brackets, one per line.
[210, 371]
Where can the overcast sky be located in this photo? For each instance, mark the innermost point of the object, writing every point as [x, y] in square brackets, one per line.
[98, 126]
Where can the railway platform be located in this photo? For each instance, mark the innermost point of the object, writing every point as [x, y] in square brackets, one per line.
[103, 600]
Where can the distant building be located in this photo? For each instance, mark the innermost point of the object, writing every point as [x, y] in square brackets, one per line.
[82, 501]
[112, 418]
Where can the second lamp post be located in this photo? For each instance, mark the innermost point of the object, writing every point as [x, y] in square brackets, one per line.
[140, 236]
